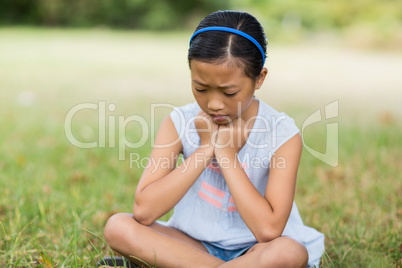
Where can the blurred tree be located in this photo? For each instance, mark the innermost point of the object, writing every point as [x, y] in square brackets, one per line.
[18, 11]
[311, 15]
[149, 14]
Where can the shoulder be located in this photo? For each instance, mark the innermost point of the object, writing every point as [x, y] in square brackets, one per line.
[183, 121]
[182, 115]
[276, 127]
[167, 137]
[188, 109]
[276, 120]
[184, 112]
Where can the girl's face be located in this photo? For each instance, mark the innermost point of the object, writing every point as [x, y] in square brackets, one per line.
[223, 91]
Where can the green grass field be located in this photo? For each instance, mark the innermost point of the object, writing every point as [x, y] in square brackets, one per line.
[55, 197]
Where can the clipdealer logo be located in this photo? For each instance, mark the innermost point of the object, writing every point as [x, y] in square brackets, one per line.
[107, 129]
[331, 154]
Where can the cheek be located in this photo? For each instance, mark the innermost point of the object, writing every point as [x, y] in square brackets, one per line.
[201, 100]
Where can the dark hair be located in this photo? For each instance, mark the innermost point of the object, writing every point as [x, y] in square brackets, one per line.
[219, 47]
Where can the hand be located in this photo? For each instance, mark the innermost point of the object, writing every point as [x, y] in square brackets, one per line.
[231, 138]
[207, 130]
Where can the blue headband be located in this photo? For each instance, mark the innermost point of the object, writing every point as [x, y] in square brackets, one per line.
[231, 30]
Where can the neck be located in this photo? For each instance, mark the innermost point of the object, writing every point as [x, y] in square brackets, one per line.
[250, 112]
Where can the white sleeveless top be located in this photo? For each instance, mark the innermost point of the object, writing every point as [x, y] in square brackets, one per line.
[207, 211]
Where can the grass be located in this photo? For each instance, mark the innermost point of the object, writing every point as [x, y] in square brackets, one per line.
[55, 197]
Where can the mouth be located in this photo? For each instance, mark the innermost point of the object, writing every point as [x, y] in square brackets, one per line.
[219, 118]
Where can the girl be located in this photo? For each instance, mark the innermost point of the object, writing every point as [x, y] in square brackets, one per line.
[233, 193]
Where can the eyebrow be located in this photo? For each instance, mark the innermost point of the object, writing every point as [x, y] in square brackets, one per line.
[224, 87]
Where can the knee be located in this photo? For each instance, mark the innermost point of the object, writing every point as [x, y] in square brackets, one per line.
[294, 253]
[116, 228]
[289, 253]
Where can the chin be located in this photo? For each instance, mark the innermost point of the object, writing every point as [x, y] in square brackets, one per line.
[222, 122]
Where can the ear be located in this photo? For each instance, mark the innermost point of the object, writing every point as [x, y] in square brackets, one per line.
[261, 78]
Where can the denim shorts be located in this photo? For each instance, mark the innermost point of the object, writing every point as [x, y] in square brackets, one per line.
[225, 254]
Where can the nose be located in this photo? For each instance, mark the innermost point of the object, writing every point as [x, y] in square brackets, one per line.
[214, 102]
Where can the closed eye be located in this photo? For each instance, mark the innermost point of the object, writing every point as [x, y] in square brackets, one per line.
[230, 94]
[200, 90]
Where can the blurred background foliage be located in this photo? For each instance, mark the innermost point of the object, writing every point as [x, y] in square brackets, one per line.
[372, 23]
[168, 14]
[144, 14]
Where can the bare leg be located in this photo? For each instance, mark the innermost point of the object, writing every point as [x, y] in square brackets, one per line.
[280, 252]
[168, 246]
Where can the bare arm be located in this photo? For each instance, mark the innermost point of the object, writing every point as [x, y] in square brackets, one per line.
[266, 216]
[162, 185]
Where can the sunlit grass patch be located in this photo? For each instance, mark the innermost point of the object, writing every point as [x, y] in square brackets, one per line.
[356, 204]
